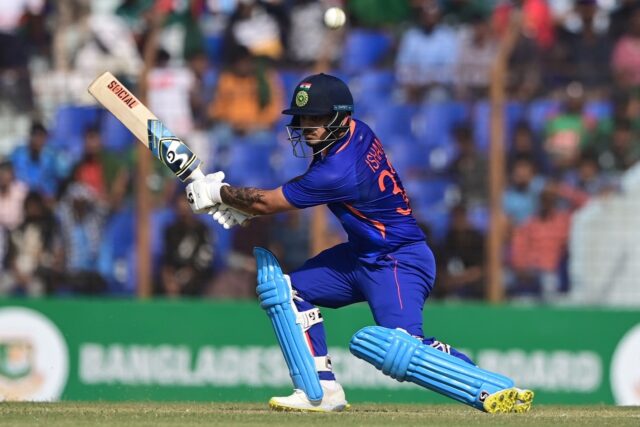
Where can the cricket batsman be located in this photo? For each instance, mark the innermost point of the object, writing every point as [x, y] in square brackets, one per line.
[385, 262]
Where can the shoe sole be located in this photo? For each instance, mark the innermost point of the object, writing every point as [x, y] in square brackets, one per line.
[501, 402]
[275, 406]
[524, 401]
[509, 400]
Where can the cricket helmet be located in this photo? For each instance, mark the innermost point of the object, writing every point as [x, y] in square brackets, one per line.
[319, 95]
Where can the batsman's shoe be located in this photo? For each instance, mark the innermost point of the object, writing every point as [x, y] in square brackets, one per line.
[523, 401]
[509, 400]
[333, 400]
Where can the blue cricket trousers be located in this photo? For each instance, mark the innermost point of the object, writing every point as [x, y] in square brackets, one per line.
[395, 286]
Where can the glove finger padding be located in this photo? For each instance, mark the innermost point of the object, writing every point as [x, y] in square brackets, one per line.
[227, 216]
[217, 214]
[224, 218]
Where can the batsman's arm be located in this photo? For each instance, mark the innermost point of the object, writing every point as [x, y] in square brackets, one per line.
[254, 200]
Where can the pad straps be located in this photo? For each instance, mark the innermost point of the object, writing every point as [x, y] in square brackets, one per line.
[306, 319]
[323, 363]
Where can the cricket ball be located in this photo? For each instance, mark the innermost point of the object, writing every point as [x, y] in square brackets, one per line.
[334, 18]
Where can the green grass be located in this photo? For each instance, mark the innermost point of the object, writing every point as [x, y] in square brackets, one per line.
[228, 414]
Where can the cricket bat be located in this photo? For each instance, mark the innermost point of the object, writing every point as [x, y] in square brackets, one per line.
[119, 100]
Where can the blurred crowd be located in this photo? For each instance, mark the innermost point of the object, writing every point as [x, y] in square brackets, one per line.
[222, 71]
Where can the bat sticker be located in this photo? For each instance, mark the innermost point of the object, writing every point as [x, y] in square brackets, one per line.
[171, 150]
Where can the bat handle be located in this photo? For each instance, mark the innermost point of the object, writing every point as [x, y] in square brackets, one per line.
[196, 174]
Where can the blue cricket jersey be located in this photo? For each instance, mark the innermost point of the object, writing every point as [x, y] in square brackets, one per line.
[363, 191]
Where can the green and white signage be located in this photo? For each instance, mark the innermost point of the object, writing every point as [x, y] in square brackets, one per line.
[226, 351]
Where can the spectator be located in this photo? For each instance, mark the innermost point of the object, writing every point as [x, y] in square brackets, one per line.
[533, 24]
[81, 216]
[619, 19]
[238, 280]
[425, 227]
[568, 14]
[623, 150]
[105, 173]
[470, 168]
[586, 47]
[170, 89]
[462, 257]
[248, 99]
[34, 251]
[537, 20]
[35, 163]
[520, 200]
[427, 53]
[626, 54]
[182, 33]
[12, 195]
[188, 254]
[525, 145]
[205, 81]
[258, 26]
[90, 170]
[587, 179]
[625, 113]
[289, 240]
[539, 246]
[13, 47]
[15, 77]
[88, 44]
[308, 36]
[568, 132]
[478, 49]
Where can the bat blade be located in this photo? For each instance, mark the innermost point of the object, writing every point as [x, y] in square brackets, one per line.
[146, 127]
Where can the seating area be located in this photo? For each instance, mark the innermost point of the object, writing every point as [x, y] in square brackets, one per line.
[419, 140]
[419, 73]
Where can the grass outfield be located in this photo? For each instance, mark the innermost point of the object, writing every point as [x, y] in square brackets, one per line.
[227, 414]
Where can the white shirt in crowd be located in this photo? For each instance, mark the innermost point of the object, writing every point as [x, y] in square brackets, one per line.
[11, 213]
[169, 91]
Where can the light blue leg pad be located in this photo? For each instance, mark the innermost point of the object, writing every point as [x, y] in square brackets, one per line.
[405, 358]
[275, 294]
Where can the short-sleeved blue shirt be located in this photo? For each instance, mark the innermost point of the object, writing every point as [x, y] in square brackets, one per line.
[363, 191]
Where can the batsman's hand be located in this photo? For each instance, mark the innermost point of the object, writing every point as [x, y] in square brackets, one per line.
[229, 217]
[204, 194]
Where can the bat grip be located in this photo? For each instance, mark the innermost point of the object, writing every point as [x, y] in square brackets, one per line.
[196, 174]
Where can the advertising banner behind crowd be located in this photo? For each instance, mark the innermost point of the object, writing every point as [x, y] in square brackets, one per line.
[226, 351]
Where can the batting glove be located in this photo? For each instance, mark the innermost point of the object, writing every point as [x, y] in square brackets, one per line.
[204, 194]
[229, 217]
